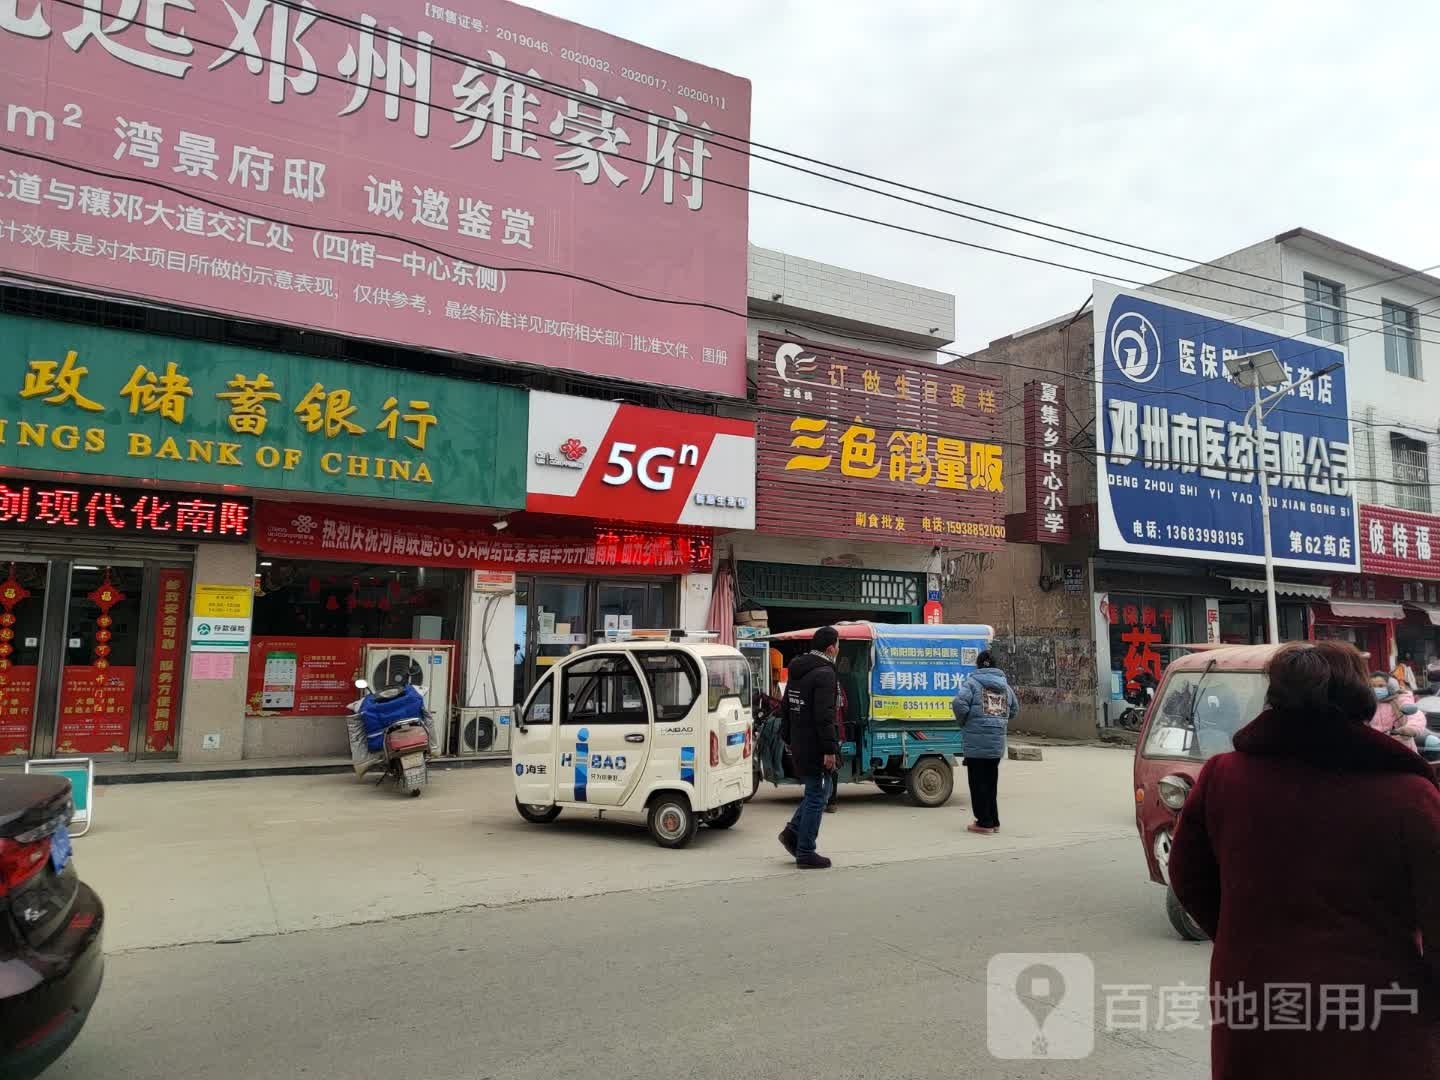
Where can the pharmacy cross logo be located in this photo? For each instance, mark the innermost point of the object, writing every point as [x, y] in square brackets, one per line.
[1135, 346]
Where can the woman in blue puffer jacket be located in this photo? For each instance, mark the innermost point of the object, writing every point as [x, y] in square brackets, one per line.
[984, 706]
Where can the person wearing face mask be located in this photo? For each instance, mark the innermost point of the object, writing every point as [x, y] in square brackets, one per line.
[1388, 719]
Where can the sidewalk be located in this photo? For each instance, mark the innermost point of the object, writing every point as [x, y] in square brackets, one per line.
[227, 859]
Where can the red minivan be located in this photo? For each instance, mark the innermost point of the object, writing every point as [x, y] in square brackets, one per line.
[1207, 695]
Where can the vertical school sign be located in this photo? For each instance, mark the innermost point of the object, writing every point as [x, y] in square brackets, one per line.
[1178, 469]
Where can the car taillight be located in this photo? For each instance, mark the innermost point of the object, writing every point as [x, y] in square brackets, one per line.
[714, 749]
[20, 862]
[748, 735]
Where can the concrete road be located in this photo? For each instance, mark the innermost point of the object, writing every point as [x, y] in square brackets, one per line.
[876, 971]
[197, 862]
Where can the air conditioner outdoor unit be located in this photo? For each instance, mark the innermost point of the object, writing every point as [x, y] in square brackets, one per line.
[484, 731]
[425, 667]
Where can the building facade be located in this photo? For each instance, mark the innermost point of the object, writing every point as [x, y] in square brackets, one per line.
[1171, 555]
[865, 449]
[306, 385]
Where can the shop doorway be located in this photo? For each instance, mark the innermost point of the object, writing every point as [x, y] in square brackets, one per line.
[90, 656]
[557, 616]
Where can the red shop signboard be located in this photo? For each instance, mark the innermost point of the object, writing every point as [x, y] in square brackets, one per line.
[336, 533]
[1399, 543]
[876, 448]
[88, 509]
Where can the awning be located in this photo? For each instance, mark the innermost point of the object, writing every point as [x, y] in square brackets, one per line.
[1432, 611]
[1282, 588]
[1348, 610]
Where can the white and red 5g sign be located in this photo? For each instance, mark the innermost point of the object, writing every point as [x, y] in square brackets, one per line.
[628, 463]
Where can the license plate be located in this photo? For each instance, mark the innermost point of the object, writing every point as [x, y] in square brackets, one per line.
[60, 848]
[411, 762]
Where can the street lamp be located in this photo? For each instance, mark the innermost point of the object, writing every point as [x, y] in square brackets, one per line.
[1254, 370]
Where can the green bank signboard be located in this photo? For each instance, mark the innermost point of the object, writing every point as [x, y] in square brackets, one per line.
[81, 399]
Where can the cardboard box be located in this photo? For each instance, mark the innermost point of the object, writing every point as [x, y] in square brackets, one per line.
[759, 617]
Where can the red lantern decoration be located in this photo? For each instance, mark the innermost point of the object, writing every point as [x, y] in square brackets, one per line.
[11, 593]
[105, 597]
[332, 604]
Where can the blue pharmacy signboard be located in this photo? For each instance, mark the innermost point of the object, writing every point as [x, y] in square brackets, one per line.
[917, 668]
[1176, 475]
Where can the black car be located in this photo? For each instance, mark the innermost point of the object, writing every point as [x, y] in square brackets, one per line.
[51, 961]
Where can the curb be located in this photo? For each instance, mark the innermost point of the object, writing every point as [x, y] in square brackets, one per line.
[246, 772]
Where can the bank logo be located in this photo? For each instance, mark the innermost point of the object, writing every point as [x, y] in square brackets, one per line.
[1135, 346]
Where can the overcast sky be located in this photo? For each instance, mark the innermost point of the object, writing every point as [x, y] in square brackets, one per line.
[1194, 133]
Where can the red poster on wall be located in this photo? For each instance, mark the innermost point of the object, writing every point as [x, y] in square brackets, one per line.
[95, 707]
[313, 676]
[167, 653]
[302, 676]
[17, 710]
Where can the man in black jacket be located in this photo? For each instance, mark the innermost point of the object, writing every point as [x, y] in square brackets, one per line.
[809, 729]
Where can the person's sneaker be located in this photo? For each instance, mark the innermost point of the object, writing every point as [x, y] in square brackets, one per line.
[829, 808]
[976, 827]
[813, 861]
[789, 840]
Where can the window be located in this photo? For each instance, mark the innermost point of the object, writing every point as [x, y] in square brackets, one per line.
[604, 690]
[674, 683]
[539, 709]
[305, 598]
[1199, 727]
[1411, 463]
[1402, 349]
[729, 677]
[1140, 626]
[1324, 309]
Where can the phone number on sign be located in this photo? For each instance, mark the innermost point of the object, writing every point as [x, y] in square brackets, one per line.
[1194, 535]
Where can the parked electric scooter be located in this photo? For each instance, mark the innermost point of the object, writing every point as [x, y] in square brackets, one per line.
[390, 730]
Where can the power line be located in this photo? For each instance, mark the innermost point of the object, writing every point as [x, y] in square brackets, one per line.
[434, 250]
[625, 109]
[577, 94]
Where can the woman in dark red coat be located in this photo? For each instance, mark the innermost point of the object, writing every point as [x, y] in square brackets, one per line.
[1311, 855]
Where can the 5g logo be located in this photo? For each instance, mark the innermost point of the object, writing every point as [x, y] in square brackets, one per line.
[656, 477]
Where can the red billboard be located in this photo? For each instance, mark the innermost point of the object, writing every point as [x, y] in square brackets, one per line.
[326, 532]
[1047, 466]
[605, 459]
[876, 448]
[473, 176]
[1399, 543]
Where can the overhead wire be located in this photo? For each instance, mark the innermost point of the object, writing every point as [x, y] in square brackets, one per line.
[619, 105]
[578, 94]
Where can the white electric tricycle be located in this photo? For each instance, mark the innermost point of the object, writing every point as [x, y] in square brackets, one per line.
[659, 729]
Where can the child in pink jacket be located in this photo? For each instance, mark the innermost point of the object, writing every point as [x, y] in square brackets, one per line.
[1389, 699]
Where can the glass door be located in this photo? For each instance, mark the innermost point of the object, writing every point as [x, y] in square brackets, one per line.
[559, 619]
[22, 625]
[523, 681]
[101, 651]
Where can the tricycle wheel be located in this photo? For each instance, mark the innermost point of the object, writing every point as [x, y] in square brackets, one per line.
[536, 813]
[891, 787]
[930, 782]
[672, 822]
[726, 816]
[1180, 919]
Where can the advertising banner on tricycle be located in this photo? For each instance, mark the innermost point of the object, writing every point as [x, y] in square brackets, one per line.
[917, 669]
